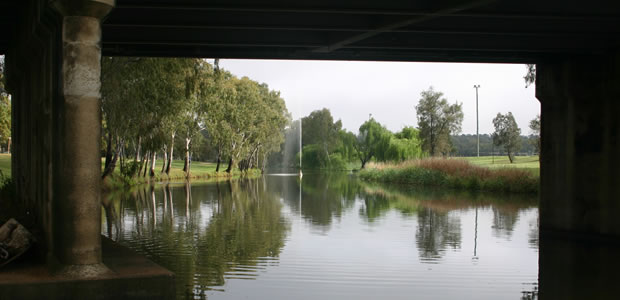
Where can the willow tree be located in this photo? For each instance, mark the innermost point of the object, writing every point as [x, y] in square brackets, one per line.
[372, 140]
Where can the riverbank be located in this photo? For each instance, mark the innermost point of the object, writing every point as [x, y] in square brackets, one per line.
[203, 171]
[455, 174]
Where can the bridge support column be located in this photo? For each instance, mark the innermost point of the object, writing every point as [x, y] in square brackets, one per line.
[580, 155]
[77, 208]
[580, 186]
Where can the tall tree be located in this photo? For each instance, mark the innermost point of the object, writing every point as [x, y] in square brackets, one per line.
[535, 128]
[437, 120]
[507, 134]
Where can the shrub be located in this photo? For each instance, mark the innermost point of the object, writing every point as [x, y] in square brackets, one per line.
[131, 169]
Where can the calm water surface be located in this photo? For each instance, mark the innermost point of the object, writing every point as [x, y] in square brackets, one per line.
[330, 237]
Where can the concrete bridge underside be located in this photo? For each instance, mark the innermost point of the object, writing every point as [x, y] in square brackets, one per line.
[53, 51]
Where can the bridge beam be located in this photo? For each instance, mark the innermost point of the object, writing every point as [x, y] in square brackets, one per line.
[580, 155]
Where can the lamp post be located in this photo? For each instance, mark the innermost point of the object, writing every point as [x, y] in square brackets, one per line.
[477, 86]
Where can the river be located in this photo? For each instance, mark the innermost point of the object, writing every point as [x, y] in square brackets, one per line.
[330, 237]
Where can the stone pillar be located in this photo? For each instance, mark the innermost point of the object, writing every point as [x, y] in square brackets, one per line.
[77, 203]
[580, 151]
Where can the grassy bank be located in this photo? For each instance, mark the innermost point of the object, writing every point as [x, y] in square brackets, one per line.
[455, 174]
[198, 171]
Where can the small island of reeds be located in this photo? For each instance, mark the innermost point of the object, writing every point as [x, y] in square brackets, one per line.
[453, 173]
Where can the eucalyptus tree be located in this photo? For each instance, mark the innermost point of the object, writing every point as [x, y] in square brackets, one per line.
[140, 96]
[507, 134]
[220, 103]
[242, 119]
[198, 89]
[268, 127]
[437, 120]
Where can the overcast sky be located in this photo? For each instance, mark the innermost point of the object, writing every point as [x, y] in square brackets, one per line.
[391, 90]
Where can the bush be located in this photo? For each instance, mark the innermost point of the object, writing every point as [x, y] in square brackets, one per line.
[131, 169]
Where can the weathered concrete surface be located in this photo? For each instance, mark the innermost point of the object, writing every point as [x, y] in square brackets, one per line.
[580, 155]
[132, 277]
[77, 214]
[54, 76]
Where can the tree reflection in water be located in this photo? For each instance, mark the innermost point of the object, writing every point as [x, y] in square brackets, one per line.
[210, 232]
[436, 232]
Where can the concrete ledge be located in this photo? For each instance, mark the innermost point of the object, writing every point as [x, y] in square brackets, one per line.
[133, 277]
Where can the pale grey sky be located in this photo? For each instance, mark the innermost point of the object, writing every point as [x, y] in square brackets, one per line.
[391, 90]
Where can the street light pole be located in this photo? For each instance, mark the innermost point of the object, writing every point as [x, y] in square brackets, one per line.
[477, 86]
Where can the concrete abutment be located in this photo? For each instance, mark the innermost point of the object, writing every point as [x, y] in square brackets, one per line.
[580, 159]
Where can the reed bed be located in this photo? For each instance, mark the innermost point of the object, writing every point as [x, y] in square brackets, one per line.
[452, 173]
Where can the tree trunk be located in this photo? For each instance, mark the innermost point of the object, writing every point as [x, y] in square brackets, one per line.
[112, 165]
[186, 164]
[230, 166]
[108, 152]
[121, 154]
[219, 158]
[153, 160]
[145, 163]
[163, 165]
[137, 157]
[141, 162]
[170, 156]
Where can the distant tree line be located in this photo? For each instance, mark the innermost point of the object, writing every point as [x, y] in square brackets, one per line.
[326, 145]
[465, 145]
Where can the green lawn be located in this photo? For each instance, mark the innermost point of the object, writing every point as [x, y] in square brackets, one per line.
[198, 169]
[5, 164]
[522, 162]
